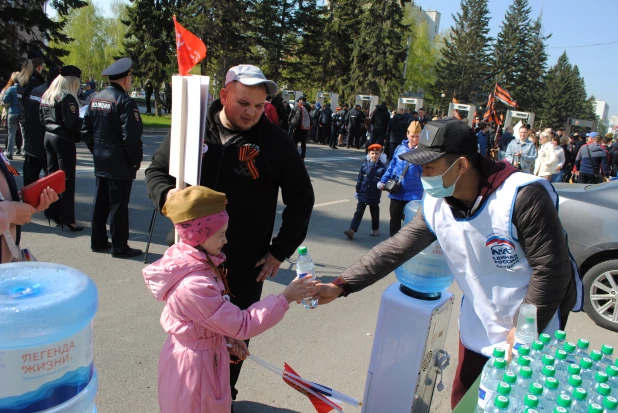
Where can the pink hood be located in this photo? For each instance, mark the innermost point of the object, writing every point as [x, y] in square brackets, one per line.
[179, 261]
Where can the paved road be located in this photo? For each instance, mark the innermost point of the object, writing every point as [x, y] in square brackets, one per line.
[330, 345]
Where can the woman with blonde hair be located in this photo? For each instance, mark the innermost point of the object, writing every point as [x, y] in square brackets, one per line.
[10, 100]
[59, 114]
[547, 160]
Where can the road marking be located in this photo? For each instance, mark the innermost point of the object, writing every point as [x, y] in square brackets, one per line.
[325, 204]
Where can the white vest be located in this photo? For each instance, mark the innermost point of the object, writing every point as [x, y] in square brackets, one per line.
[488, 262]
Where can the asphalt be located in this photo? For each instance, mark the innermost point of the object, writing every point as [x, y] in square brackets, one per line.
[330, 345]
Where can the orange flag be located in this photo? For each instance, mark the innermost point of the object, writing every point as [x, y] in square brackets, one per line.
[320, 402]
[189, 49]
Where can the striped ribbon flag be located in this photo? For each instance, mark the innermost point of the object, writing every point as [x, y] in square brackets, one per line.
[490, 114]
[504, 96]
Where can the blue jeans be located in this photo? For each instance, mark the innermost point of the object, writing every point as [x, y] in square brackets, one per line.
[501, 155]
[557, 177]
[12, 124]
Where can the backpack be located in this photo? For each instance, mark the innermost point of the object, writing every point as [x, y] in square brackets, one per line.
[305, 121]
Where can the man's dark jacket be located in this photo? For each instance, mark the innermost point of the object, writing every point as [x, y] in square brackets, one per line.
[380, 118]
[252, 200]
[505, 139]
[326, 117]
[35, 80]
[397, 127]
[355, 120]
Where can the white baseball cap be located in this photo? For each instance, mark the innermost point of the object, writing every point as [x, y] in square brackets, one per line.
[250, 75]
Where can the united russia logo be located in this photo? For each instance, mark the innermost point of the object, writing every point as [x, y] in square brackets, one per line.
[503, 251]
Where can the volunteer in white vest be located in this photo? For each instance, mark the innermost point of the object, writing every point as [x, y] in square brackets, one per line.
[502, 238]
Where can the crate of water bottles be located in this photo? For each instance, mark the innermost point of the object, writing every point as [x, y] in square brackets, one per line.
[548, 374]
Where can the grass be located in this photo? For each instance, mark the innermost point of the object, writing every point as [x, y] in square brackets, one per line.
[152, 121]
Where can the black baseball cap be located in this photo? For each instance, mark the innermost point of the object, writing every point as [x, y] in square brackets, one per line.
[441, 137]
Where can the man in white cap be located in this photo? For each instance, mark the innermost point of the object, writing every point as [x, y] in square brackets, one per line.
[248, 159]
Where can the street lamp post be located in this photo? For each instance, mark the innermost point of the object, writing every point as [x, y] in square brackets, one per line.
[442, 96]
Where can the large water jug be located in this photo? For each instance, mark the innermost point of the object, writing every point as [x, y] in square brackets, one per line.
[426, 273]
[46, 353]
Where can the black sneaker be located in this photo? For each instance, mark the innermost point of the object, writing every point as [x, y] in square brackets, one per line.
[127, 252]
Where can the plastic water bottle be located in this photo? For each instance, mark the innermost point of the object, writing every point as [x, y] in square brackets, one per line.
[526, 331]
[561, 365]
[530, 402]
[601, 391]
[522, 385]
[546, 373]
[559, 409]
[510, 378]
[580, 401]
[550, 394]
[537, 350]
[612, 373]
[548, 361]
[595, 408]
[587, 373]
[597, 358]
[610, 404]
[516, 364]
[546, 340]
[489, 383]
[46, 360]
[570, 348]
[558, 341]
[498, 353]
[536, 389]
[564, 400]
[305, 268]
[582, 348]
[574, 369]
[608, 354]
[573, 382]
[599, 377]
[501, 405]
[504, 389]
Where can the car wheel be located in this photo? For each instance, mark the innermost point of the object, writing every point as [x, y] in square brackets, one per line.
[601, 294]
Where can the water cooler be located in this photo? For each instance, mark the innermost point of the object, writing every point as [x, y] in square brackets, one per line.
[408, 349]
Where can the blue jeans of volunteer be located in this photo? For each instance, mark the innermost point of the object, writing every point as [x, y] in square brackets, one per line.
[557, 177]
[12, 124]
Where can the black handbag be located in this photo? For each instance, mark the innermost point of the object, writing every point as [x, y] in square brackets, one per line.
[393, 185]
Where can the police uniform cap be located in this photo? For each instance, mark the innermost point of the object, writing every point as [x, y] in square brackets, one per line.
[35, 54]
[70, 71]
[119, 69]
[193, 202]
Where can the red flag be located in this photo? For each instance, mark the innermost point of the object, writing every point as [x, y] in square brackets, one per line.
[504, 96]
[319, 401]
[189, 49]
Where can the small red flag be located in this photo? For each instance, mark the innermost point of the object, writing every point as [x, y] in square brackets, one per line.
[189, 49]
[319, 402]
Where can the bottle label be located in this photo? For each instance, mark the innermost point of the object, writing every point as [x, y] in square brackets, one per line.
[303, 275]
[46, 375]
[484, 396]
[516, 347]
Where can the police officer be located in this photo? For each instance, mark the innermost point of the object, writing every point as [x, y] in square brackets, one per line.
[113, 132]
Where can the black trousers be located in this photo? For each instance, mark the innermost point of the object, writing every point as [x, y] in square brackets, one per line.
[587, 179]
[111, 200]
[354, 138]
[325, 134]
[61, 155]
[301, 136]
[32, 169]
[148, 108]
[334, 136]
[396, 209]
[360, 211]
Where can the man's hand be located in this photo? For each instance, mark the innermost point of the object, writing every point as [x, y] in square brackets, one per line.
[510, 340]
[171, 192]
[327, 293]
[270, 267]
[558, 168]
[238, 348]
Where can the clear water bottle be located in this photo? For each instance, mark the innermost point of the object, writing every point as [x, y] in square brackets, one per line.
[501, 405]
[580, 401]
[561, 365]
[537, 350]
[596, 356]
[504, 389]
[537, 390]
[601, 391]
[526, 332]
[559, 409]
[608, 354]
[610, 404]
[522, 385]
[305, 268]
[595, 408]
[550, 394]
[599, 377]
[587, 373]
[573, 383]
[546, 340]
[498, 353]
[558, 341]
[510, 378]
[516, 364]
[546, 361]
[489, 383]
[612, 373]
[546, 373]
[564, 400]
[570, 349]
[582, 348]
[530, 402]
[574, 369]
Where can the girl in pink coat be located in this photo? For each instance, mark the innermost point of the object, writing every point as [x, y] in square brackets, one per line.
[194, 364]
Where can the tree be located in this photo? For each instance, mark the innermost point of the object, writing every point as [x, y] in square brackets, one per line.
[464, 68]
[530, 94]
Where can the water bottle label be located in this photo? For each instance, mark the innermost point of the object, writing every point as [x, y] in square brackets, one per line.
[303, 275]
[484, 396]
[46, 375]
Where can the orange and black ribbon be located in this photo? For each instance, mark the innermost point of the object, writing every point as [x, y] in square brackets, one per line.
[11, 169]
[247, 154]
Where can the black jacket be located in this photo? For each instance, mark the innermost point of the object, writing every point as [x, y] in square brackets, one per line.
[252, 189]
[62, 119]
[397, 128]
[36, 80]
[613, 151]
[33, 127]
[326, 118]
[112, 131]
[355, 119]
[380, 118]
[505, 139]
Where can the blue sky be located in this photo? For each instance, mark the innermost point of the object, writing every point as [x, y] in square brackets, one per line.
[572, 23]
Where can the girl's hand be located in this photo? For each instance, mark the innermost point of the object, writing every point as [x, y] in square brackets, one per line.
[48, 197]
[238, 348]
[300, 288]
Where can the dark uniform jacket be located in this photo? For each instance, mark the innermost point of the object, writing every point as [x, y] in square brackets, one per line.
[33, 127]
[62, 119]
[326, 117]
[397, 128]
[249, 168]
[36, 80]
[380, 118]
[367, 182]
[112, 131]
[355, 120]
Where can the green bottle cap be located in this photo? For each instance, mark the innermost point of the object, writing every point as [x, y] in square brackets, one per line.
[501, 402]
[601, 377]
[560, 335]
[538, 345]
[499, 363]
[616, 362]
[610, 402]
[603, 389]
[594, 408]
[580, 394]
[531, 410]
[536, 389]
[525, 372]
[531, 401]
[302, 250]
[612, 371]
[585, 363]
[569, 347]
[583, 344]
[504, 389]
[523, 350]
[545, 338]
[564, 401]
[548, 371]
[499, 353]
[575, 380]
[596, 355]
[560, 409]
[509, 377]
[574, 369]
[607, 349]
[561, 355]
[524, 360]
[551, 383]
[548, 360]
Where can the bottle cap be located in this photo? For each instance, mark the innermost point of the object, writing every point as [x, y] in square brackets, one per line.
[575, 380]
[523, 350]
[580, 394]
[500, 363]
[604, 389]
[551, 383]
[616, 362]
[585, 363]
[612, 371]
[607, 349]
[601, 377]
[536, 389]
[545, 338]
[594, 408]
[560, 335]
[548, 360]
[531, 401]
[538, 345]
[583, 344]
[499, 353]
[574, 369]
[504, 389]
[560, 409]
[549, 371]
[569, 347]
[302, 250]
[564, 401]
[531, 410]
[501, 402]
[525, 372]
[610, 402]
[596, 355]
[509, 377]
[524, 360]
[561, 355]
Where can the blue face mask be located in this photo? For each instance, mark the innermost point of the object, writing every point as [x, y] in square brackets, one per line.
[434, 185]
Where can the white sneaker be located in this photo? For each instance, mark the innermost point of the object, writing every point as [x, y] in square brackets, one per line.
[375, 233]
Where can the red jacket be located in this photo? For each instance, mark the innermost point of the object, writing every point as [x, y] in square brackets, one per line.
[271, 113]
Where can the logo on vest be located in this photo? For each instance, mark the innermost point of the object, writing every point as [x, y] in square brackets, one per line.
[502, 251]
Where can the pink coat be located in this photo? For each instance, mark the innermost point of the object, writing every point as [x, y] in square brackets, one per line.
[194, 364]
